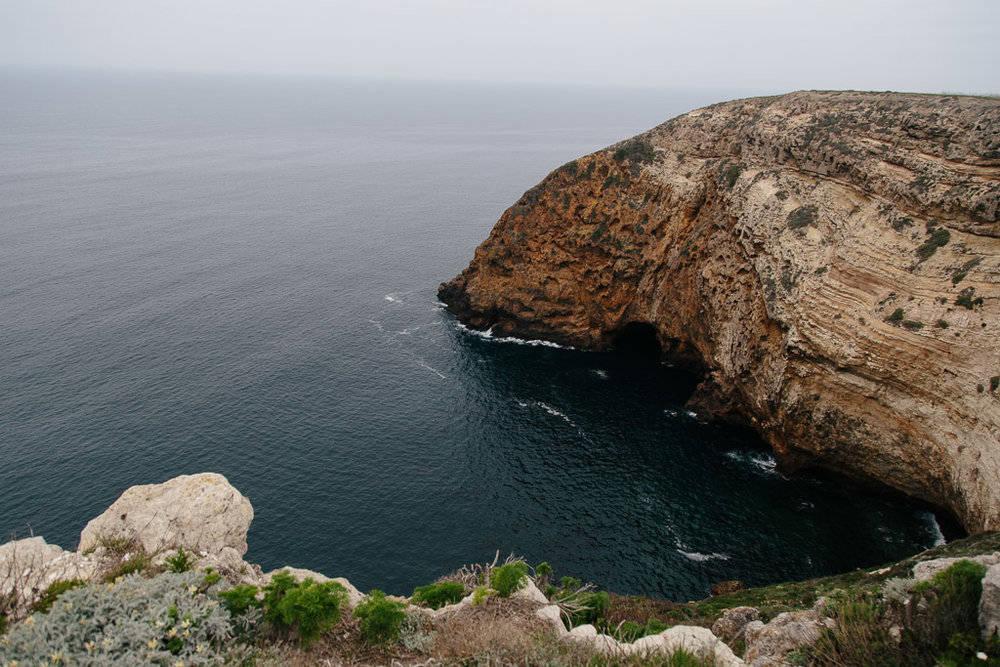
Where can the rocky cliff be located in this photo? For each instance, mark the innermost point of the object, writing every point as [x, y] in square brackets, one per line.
[828, 261]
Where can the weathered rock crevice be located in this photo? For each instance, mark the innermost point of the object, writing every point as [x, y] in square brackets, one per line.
[826, 262]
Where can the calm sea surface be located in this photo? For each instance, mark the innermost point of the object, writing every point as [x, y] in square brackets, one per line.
[238, 275]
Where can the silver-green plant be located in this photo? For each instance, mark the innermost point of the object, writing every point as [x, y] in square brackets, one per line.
[415, 632]
[169, 619]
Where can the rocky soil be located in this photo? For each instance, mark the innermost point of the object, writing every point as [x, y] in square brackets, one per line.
[827, 261]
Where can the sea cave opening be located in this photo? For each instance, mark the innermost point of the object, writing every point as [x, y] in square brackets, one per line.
[638, 340]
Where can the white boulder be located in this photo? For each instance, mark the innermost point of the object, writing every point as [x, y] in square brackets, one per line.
[203, 513]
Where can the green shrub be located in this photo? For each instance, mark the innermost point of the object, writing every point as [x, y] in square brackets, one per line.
[801, 217]
[994, 382]
[438, 595]
[954, 597]
[381, 618]
[182, 562]
[508, 578]
[44, 603]
[164, 620]
[938, 624]
[731, 174]
[479, 595]
[595, 605]
[860, 638]
[635, 150]
[966, 301]
[938, 239]
[240, 599]
[912, 325]
[122, 556]
[542, 573]
[896, 317]
[941, 324]
[308, 608]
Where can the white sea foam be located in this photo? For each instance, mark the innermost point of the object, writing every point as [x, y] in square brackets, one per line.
[936, 527]
[424, 364]
[695, 556]
[549, 409]
[599, 373]
[761, 461]
[555, 413]
[670, 412]
[389, 297]
[488, 335]
[682, 549]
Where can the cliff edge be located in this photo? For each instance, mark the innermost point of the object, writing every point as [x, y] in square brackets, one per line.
[827, 261]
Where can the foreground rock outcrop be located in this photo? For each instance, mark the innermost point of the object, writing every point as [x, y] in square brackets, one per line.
[203, 513]
[828, 262]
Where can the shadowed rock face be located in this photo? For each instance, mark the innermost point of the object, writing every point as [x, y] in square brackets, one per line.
[810, 255]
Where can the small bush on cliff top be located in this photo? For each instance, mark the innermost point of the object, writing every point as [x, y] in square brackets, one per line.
[635, 150]
[438, 595]
[308, 608]
[183, 561]
[508, 578]
[381, 618]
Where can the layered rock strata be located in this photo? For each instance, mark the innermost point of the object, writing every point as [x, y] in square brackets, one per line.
[828, 261]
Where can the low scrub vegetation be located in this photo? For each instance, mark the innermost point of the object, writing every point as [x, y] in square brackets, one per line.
[881, 618]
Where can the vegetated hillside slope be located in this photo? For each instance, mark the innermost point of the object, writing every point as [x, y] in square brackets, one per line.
[827, 260]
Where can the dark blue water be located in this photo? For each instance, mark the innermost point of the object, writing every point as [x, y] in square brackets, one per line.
[239, 276]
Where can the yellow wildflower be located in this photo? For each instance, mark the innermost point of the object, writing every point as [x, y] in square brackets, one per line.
[185, 623]
[90, 646]
[172, 632]
[199, 648]
[187, 633]
[152, 642]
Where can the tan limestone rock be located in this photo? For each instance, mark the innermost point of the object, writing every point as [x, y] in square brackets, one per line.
[203, 513]
[767, 243]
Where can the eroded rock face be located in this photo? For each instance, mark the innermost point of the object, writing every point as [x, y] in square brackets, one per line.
[828, 262]
[203, 513]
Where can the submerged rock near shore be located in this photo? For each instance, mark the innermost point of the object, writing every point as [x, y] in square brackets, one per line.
[826, 261]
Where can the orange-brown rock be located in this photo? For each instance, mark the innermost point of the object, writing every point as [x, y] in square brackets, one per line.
[829, 261]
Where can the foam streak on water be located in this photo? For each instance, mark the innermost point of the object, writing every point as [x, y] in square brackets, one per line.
[238, 275]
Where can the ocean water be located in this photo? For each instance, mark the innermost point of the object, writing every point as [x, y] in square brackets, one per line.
[239, 275]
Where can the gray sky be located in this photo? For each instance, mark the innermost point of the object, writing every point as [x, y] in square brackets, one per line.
[762, 45]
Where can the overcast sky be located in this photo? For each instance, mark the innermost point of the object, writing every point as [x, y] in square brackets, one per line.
[763, 45]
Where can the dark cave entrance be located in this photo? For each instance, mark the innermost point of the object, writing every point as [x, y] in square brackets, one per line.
[639, 341]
